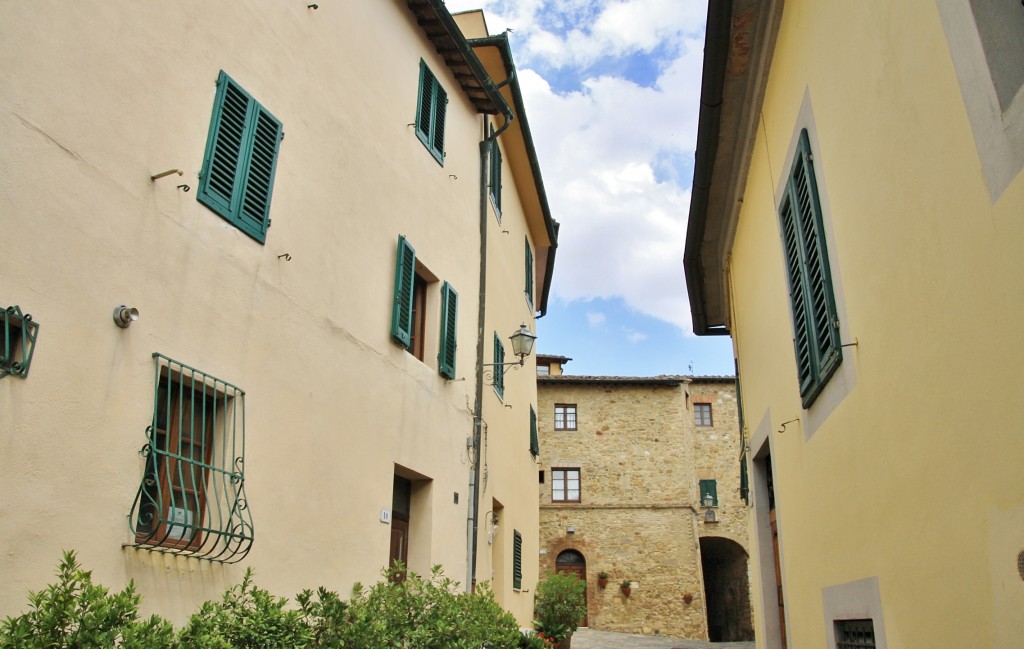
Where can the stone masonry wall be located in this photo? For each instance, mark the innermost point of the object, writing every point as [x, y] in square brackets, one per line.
[640, 457]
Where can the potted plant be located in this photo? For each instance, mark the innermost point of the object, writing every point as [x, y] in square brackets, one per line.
[626, 586]
[602, 579]
[559, 607]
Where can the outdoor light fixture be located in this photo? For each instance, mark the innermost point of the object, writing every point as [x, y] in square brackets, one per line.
[571, 529]
[124, 316]
[522, 346]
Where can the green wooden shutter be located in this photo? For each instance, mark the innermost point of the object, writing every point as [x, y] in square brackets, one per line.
[431, 109]
[517, 560]
[709, 489]
[499, 370]
[449, 326]
[237, 177]
[815, 320]
[405, 276]
[496, 174]
[534, 441]
[529, 272]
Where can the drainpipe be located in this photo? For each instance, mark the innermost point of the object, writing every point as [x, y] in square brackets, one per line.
[473, 522]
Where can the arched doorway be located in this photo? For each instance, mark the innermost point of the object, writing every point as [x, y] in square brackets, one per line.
[726, 590]
[574, 563]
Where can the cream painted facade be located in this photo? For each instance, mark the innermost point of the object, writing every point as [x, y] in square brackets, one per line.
[94, 100]
[625, 464]
[895, 488]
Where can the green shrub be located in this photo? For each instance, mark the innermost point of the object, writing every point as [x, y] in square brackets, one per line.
[559, 605]
[246, 617]
[75, 613]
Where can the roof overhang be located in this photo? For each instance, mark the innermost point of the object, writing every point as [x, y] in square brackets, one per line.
[738, 46]
[495, 53]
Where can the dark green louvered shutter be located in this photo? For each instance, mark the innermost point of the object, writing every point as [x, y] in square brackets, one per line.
[529, 272]
[405, 277]
[815, 320]
[744, 481]
[431, 108]
[449, 330]
[499, 371]
[709, 490]
[517, 560]
[534, 441]
[495, 178]
[237, 178]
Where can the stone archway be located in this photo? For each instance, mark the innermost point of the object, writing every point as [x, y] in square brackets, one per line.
[574, 563]
[726, 590]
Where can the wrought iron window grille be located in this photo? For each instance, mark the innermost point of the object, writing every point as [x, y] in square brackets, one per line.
[191, 500]
[18, 343]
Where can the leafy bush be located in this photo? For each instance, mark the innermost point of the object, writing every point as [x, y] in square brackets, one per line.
[559, 605]
[405, 613]
[246, 617]
[75, 613]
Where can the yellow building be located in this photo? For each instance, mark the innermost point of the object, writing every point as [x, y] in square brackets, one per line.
[316, 227]
[856, 226]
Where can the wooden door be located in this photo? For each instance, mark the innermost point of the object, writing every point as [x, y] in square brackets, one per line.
[399, 544]
[573, 563]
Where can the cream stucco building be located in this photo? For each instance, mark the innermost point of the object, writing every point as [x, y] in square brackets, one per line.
[856, 226]
[638, 479]
[323, 223]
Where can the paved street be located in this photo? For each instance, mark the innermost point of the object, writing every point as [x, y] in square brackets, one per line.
[590, 639]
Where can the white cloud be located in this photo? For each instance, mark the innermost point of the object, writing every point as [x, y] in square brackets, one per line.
[634, 336]
[595, 318]
[616, 155]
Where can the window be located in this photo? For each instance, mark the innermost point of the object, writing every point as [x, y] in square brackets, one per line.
[855, 634]
[430, 111]
[409, 308]
[17, 341]
[565, 416]
[192, 496]
[529, 273]
[815, 320]
[495, 177]
[702, 414]
[565, 485]
[709, 493]
[237, 177]
[534, 441]
[517, 560]
[543, 370]
[499, 374]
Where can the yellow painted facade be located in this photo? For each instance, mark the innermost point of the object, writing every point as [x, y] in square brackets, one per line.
[896, 493]
[97, 98]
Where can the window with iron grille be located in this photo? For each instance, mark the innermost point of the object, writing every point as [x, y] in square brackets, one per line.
[811, 298]
[702, 414]
[431, 105]
[237, 178]
[192, 497]
[565, 485]
[565, 416]
[855, 634]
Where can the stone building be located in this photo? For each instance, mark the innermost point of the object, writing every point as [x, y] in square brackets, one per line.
[639, 479]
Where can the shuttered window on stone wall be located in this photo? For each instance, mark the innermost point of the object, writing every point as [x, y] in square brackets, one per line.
[449, 329]
[237, 178]
[709, 493]
[431, 106]
[812, 301]
[517, 560]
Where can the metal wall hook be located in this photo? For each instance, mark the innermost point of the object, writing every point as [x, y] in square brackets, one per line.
[453, 176]
[314, 7]
[166, 173]
[783, 424]
[286, 256]
[184, 188]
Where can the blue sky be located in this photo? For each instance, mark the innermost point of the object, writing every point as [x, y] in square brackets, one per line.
[612, 91]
